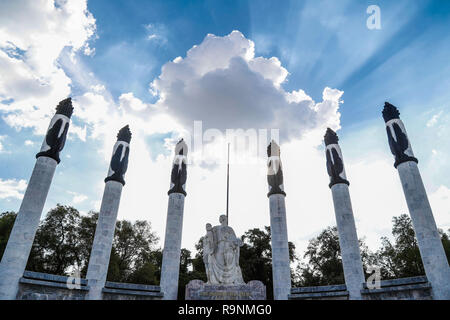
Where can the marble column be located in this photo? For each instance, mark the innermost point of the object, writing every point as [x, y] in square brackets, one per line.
[281, 271]
[22, 235]
[104, 232]
[431, 250]
[348, 238]
[170, 268]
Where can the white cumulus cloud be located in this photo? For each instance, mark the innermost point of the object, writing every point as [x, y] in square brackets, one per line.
[440, 203]
[222, 83]
[1, 144]
[77, 197]
[434, 119]
[128, 100]
[157, 33]
[12, 188]
[32, 36]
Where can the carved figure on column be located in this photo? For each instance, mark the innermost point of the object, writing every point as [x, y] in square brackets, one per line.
[274, 170]
[397, 136]
[179, 173]
[55, 138]
[335, 163]
[119, 160]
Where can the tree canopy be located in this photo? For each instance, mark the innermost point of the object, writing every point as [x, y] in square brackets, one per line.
[322, 264]
[402, 258]
[64, 239]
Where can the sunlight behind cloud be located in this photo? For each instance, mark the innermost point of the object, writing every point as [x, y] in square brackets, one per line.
[222, 81]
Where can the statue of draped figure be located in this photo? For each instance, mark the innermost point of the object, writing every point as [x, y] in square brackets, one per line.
[221, 254]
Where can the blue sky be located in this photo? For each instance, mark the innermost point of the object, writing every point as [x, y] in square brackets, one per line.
[342, 53]
[120, 47]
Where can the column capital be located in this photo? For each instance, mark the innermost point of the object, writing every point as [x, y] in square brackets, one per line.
[390, 112]
[55, 138]
[274, 170]
[178, 176]
[398, 138]
[330, 137]
[119, 160]
[124, 134]
[335, 161]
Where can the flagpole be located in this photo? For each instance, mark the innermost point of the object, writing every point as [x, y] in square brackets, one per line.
[228, 179]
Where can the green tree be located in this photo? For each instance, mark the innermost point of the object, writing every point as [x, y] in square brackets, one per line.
[257, 249]
[6, 223]
[147, 268]
[190, 268]
[133, 245]
[64, 240]
[86, 232]
[55, 246]
[186, 272]
[401, 258]
[322, 264]
[446, 243]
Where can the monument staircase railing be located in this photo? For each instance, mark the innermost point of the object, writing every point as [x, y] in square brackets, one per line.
[44, 286]
[319, 292]
[403, 288]
[133, 289]
[51, 280]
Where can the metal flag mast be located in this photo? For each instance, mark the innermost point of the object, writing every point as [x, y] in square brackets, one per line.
[228, 179]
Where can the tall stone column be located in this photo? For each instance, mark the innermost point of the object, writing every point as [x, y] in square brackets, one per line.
[348, 239]
[430, 245]
[281, 271]
[23, 232]
[104, 232]
[174, 225]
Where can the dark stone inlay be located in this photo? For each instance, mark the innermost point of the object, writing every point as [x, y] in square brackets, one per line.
[65, 107]
[52, 139]
[124, 134]
[274, 180]
[178, 176]
[330, 137]
[335, 167]
[119, 166]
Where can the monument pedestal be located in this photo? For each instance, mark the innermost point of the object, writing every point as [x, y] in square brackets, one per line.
[198, 290]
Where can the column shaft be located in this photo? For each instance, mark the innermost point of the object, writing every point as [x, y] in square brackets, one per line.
[430, 245]
[172, 247]
[104, 235]
[281, 271]
[348, 240]
[21, 239]
[431, 250]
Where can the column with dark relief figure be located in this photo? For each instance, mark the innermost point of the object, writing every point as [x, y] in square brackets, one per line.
[281, 271]
[22, 235]
[104, 232]
[348, 238]
[170, 268]
[431, 250]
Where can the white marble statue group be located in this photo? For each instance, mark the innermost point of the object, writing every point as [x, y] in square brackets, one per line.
[221, 254]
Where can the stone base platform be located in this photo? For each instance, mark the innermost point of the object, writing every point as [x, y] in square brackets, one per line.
[199, 290]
